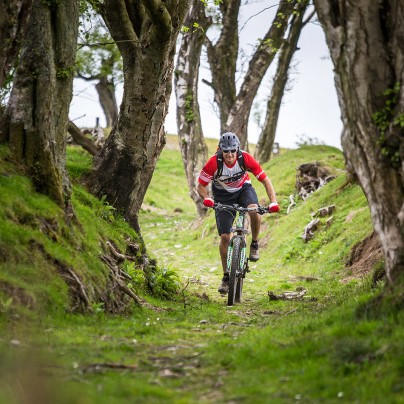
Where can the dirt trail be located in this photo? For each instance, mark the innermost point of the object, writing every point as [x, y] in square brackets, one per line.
[183, 359]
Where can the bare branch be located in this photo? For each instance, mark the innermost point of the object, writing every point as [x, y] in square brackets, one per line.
[83, 141]
[208, 83]
[255, 15]
[309, 17]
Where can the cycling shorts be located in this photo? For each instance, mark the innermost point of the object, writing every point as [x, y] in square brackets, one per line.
[245, 197]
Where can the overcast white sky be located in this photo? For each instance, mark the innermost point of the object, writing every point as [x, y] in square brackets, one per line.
[310, 108]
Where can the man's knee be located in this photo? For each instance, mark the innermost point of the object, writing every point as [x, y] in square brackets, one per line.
[225, 238]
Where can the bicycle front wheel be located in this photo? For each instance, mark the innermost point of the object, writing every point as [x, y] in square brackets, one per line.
[239, 289]
[234, 269]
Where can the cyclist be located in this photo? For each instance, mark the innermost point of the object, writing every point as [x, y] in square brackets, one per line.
[227, 170]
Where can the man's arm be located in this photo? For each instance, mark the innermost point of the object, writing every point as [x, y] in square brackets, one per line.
[269, 189]
[202, 191]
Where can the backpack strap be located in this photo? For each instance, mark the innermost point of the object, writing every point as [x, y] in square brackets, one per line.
[219, 160]
[240, 158]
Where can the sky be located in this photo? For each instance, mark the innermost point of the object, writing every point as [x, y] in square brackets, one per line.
[309, 108]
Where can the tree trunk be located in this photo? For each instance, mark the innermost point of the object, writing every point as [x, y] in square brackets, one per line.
[106, 95]
[237, 120]
[14, 17]
[366, 41]
[266, 139]
[145, 33]
[222, 57]
[37, 114]
[190, 135]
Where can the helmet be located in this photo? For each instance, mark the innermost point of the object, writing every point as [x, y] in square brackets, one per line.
[229, 141]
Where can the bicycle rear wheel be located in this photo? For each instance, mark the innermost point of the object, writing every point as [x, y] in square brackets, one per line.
[235, 263]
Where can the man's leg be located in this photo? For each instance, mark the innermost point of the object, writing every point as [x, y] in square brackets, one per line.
[248, 197]
[223, 245]
[255, 220]
[224, 220]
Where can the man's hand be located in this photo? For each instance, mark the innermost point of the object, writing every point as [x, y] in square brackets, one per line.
[209, 202]
[273, 207]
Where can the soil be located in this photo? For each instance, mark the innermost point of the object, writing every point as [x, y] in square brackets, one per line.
[364, 257]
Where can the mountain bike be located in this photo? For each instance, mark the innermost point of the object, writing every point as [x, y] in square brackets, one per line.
[237, 260]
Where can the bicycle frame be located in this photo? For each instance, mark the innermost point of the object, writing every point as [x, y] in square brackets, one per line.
[239, 232]
[237, 263]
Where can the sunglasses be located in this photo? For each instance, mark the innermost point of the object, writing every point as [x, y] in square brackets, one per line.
[229, 151]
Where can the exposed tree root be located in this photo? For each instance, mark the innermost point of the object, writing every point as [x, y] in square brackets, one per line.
[116, 277]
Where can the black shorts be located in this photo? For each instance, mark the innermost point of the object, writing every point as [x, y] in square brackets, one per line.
[245, 197]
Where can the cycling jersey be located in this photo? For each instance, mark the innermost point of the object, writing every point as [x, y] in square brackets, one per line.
[233, 177]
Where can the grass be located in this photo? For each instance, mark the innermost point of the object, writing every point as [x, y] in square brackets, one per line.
[194, 348]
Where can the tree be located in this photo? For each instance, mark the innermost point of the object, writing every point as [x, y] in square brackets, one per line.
[98, 58]
[190, 135]
[266, 138]
[37, 114]
[145, 32]
[14, 17]
[222, 58]
[238, 118]
[367, 48]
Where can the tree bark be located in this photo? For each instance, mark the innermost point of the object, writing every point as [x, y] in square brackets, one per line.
[146, 33]
[37, 114]
[266, 139]
[106, 95]
[222, 58]
[190, 135]
[366, 41]
[14, 17]
[237, 120]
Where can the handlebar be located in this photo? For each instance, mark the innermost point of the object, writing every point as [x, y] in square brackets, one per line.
[237, 208]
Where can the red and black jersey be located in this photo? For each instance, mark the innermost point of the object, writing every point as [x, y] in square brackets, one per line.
[232, 177]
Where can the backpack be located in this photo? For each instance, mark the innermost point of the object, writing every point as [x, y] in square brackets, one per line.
[219, 159]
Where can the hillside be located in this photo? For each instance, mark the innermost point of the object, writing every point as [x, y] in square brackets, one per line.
[64, 318]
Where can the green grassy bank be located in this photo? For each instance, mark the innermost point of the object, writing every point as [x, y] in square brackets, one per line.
[191, 347]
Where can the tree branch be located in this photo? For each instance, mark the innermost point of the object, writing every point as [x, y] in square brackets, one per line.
[117, 18]
[309, 17]
[208, 83]
[83, 141]
[88, 78]
[159, 15]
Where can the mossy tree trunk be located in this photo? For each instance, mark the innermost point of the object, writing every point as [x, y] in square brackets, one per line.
[146, 33]
[190, 135]
[366, 41]
[14, 17]
[37, 114]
